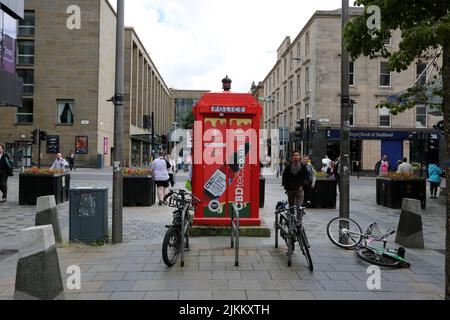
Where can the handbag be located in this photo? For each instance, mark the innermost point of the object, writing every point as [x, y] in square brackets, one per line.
[10, 166]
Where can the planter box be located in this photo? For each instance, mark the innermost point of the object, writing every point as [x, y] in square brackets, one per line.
[324, 194]
[139, 191]
[390, 192]
[33, 186]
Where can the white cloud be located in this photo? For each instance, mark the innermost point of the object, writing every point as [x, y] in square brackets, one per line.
[195, 43]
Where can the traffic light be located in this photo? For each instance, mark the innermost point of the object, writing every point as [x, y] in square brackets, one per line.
[43, 135]
[299, 129]
[34, 136]
[313, 126]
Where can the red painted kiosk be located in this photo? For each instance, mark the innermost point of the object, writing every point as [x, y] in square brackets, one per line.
[226, 167]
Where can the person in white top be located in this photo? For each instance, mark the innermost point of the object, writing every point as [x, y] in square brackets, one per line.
[160, 167]
[172, 170]
[405, 167]
[326, 163]
[60, 163]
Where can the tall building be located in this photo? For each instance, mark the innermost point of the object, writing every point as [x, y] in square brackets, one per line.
[10, 82]
[304, 84]
[66, 56]
[183, 101]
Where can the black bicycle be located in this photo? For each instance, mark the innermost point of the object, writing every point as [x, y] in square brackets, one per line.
[289, 223]
[176, 239]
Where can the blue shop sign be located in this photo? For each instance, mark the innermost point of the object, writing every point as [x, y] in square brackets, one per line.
[370, 135]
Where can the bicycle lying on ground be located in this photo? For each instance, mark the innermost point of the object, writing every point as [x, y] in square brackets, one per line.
[289, 222]
[346, 233]
[176, 239]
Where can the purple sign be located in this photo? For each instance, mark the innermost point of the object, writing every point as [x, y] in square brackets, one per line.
[9, 54]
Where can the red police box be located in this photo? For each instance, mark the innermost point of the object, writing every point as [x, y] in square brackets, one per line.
[226, 166]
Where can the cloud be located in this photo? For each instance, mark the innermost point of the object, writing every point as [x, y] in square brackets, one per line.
[195, 43]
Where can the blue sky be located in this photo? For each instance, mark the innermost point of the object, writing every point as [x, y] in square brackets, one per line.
[195, 43]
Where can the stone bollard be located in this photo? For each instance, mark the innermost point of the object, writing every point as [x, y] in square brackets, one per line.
[47, 214]
[409, 231]
[442, 196]
[38, 275]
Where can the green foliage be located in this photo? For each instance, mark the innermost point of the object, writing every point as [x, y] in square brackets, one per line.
[187, 120]
[425, 28]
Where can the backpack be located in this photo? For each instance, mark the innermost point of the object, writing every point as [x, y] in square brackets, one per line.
[10, 165]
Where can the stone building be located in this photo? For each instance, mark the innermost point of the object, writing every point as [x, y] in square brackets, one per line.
[66, 57]
[304, 84]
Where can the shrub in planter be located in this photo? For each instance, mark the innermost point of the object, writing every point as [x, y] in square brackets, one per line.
[392, 187]
[138, 187]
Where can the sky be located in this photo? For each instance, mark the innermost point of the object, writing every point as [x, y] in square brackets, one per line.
[196, 43]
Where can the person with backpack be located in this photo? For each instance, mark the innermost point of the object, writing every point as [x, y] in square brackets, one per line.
[160, 169]
[295, 175]
[434, 178]
[383, 166]
[6, 170]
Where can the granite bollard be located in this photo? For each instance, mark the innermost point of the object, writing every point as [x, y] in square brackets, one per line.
[38, 275]
[410, 231]
[47, 214]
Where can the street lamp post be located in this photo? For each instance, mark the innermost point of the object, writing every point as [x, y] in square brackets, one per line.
[344, 187]
[117, 216]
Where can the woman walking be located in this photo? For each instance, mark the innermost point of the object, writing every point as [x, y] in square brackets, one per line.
[434, 178]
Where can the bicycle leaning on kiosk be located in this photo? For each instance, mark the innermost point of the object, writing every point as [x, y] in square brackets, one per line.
[289, 223]
[176, 239]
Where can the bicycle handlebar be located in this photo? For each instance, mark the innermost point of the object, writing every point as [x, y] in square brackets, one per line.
[183, 194]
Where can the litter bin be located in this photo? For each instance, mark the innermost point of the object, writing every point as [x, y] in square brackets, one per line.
[100, 161]
[88, 209]
[262, 191]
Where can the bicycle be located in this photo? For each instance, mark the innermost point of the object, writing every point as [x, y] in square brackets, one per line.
[346, 233]
[176, 239]
[289, 222]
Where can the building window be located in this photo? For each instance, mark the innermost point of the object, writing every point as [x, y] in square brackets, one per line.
[421, 116]
[307, 88]
[385, 117]
[27, 25]
[291, 60]
[298, 86]
[388, 41]
[278, 75]
[299, 54]
[65, 111]
[352, 73]
[352, 115]
[285, 68]
[27, 76]
[25, 114]
[307, 43]
[25, 52]
[284, 96]
[278, 101]
[291, 121]
[421, 74]
[291, 92]
[385, 75]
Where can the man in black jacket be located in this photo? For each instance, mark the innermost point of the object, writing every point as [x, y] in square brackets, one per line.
[5, 171]
[294, 177]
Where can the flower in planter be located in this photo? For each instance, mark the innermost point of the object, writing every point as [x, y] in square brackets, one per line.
[127, 172]
[37, 171]
[400, 176]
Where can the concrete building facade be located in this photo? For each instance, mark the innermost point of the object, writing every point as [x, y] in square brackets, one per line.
[304, 84]
[66, 56]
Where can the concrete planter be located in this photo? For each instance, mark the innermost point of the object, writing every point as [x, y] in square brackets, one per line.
[33, 186]
[324, 194]
[390, 192]
[139, 191]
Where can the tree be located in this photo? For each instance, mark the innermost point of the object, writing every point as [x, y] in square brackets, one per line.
[187, 120]
[425, 31]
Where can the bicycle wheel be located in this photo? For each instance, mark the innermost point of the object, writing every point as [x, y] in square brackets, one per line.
[348, 239]
[290, 244]
[377, 259]
[171, 246]
[304, 245]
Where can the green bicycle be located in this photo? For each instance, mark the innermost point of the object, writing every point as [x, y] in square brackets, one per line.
[346, 233]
